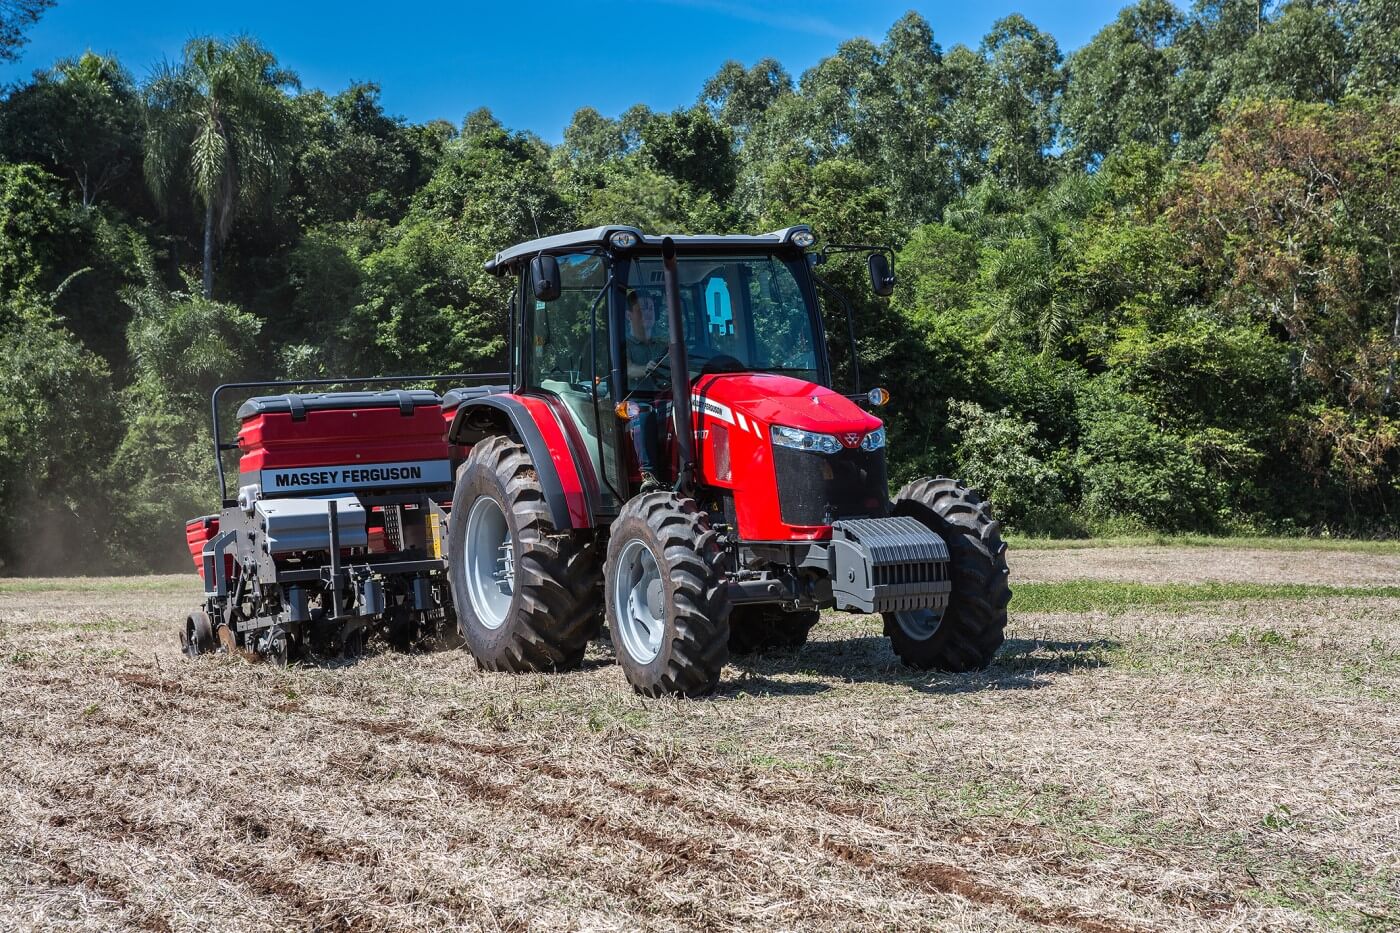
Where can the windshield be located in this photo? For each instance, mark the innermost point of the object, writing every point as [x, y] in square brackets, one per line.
[741, 313]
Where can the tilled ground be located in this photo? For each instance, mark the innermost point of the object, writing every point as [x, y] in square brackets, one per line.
[1207, 565]
[1222, 766]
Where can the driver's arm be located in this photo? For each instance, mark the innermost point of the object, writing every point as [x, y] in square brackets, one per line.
[639, 355]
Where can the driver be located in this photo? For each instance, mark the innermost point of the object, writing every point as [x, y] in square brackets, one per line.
[644, 350]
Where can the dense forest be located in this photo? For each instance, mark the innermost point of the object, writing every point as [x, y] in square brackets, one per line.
[1152, 284]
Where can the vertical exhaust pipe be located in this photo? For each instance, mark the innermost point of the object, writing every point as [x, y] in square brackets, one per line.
[680, 370]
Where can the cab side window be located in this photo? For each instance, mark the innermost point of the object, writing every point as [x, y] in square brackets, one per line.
[561, 344]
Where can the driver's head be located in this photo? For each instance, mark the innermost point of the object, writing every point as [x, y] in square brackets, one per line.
[641, 314]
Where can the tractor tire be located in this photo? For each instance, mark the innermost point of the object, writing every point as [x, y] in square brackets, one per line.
[974, 624]
[754, 629]
[667, 610]
[525, 594]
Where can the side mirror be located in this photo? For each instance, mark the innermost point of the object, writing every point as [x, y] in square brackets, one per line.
[881, 278]
[544, 271]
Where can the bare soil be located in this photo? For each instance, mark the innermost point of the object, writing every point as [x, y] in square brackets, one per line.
[1212, 767]
[1206, 565]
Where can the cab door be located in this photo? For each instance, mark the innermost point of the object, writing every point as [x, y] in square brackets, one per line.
[566, 358]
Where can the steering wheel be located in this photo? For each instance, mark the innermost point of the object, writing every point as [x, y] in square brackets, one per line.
[722, 363]
[660, 367]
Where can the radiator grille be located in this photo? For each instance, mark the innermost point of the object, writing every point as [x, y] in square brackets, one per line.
[817, 489]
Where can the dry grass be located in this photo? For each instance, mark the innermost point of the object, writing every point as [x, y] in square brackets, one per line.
[1225, 564]
[1220, 766]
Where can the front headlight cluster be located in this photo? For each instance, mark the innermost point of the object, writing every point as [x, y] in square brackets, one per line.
[874, 440]
[822, 443]
[805, 440]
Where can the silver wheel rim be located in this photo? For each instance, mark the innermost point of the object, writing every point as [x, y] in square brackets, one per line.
[490, 562]
[919, 624]
[639, 602]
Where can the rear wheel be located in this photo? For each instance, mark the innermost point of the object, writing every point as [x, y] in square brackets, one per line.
[966, 637]
[668, 613]
[525, 594]
[763, 628]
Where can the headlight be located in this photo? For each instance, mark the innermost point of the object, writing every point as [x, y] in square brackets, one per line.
[805, 440]
[623, 239]
[874, 440]
[803, 238]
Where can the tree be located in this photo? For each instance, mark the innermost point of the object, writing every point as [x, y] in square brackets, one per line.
[1119, 86]
[1373, 40]
[81, 120]
[425, 301]
[55, 398]
[739, 97]
[1293, 223]
[1300, 54]
[1018, 100]
[182, 345]
[591, 140]
[690, 146]
[356, 160]
[219, 122]
[15, 17]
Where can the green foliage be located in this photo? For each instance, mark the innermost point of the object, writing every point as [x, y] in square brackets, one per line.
[182, 345]
[691, 145]
[55, 401]
[1120, 84]
[355, 160]
[1131, 467]
[1150, 287]
[31, 218]
[81, 120]
[418, 308]
[15, 17]
[219, 124]
[1001, 456]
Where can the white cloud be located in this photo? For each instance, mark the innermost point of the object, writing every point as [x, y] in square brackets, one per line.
[794, 22]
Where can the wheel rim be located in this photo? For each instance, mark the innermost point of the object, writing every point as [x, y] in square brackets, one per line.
[490, 562]
[639, 602]
[919, 624]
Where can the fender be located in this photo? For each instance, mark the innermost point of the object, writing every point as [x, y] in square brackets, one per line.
[533, 422]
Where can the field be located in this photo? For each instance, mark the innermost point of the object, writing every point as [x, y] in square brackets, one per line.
[1179, 738]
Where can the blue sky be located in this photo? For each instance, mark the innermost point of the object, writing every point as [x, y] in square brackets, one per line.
[533, 64]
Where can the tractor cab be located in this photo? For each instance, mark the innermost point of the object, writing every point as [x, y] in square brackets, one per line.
[594, 332]
[671, 428]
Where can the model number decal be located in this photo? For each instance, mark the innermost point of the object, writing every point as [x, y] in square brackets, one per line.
[417, 472]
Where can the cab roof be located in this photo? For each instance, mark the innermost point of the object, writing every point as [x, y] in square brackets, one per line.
[598, 236]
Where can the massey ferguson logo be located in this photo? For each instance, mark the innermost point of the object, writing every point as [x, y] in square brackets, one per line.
[851, 438]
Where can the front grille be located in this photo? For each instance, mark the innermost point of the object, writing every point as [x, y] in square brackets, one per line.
[817, 489]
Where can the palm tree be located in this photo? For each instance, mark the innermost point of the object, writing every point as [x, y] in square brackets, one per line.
[219, 121]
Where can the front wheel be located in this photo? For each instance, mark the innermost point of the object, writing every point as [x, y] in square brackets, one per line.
[969, 632]
[666, 607]
[524, 593]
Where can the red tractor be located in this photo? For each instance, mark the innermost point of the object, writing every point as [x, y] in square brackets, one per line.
[669, 455]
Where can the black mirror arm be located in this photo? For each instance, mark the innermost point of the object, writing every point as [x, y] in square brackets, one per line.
[837, 248]
[850, 324]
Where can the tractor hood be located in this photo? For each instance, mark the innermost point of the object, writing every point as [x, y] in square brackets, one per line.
[766, 399]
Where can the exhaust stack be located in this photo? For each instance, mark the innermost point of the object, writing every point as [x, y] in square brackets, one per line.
[680, 370]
